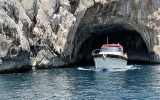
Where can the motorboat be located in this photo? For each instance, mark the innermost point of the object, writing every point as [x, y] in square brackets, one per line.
[110, 56]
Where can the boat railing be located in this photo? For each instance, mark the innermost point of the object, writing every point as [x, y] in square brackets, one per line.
[96, 51]
[125, 55]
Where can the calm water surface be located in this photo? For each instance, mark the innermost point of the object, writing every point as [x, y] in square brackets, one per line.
[141, 83]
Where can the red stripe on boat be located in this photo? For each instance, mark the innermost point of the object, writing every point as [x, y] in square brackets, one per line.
[112, 45]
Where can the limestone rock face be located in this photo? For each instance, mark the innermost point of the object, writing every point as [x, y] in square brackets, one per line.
[50, 33]
[14, 46]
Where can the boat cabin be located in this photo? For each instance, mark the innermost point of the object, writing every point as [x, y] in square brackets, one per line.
[112, 48]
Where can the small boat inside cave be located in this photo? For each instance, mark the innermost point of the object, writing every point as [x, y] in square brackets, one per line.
[110, 56]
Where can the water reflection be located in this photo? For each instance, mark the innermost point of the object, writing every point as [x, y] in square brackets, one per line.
[140, 83]
[71, 83]
[46, 84]
[82, 82]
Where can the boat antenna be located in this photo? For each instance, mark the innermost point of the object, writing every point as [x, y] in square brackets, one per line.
[107, 39]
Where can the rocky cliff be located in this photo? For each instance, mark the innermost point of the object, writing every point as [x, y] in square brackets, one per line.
[53, 33]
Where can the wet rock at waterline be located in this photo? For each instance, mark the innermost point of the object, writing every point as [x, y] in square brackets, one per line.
[53, 33]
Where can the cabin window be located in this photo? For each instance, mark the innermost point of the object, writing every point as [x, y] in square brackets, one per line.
[111, 49]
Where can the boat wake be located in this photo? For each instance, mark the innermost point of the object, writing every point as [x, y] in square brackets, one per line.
[128, 67]
[80, 68]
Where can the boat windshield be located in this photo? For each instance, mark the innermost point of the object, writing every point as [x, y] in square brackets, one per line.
[111, 49]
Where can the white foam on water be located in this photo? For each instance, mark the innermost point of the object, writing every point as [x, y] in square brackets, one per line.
[80, 68]
[128, 67]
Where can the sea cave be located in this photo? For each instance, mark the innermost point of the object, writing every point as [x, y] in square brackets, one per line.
[132, 42]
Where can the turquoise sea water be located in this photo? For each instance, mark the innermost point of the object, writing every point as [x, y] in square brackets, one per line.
[140, 83]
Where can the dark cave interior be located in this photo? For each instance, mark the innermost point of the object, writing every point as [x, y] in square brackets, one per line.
[131, 41]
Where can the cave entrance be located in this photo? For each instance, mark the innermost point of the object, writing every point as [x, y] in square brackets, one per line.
[131, 41]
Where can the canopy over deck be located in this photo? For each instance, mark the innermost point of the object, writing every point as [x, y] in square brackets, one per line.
[112, 45]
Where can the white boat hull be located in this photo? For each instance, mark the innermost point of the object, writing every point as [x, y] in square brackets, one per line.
[110, 63]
